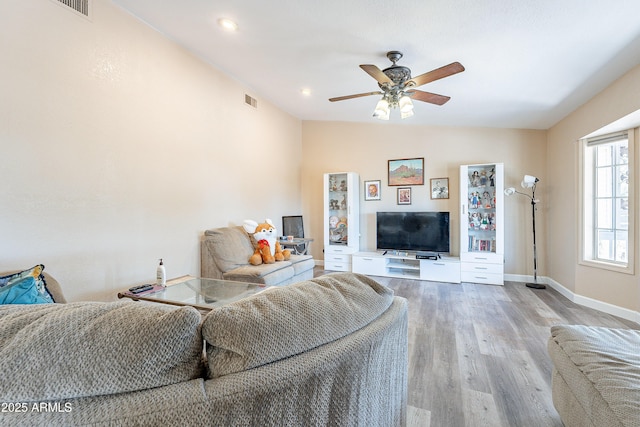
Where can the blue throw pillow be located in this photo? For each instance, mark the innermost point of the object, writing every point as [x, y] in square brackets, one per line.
[34, 272]
[23, 291]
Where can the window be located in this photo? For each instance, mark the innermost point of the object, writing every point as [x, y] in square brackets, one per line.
[607, 236]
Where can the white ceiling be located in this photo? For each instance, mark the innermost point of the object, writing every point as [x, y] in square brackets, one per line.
[528, 63]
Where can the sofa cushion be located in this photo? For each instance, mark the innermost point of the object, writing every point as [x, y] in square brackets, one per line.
[36, 272]
[282, 322]
[610, 360]
[231, 247]
[269, 274]
[301, 263]
[58, 351]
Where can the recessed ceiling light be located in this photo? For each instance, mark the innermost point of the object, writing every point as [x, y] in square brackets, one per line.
[305, 91]
[227, 24]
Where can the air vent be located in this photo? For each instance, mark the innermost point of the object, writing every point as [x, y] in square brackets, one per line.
[81, 7]
[250, 101]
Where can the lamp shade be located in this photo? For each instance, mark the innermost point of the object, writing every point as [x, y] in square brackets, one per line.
[529, 181]
[509, 191]
[405, 104]
[382, 110]
[405, 114]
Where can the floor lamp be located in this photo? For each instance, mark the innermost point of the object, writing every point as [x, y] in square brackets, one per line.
[530, 181]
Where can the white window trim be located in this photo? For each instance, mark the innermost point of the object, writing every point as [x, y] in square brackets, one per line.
[585, 219]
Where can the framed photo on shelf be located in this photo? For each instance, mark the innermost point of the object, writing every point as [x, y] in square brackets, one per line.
[406, 172]
[439, 188]
[404, 195]
[372, 190]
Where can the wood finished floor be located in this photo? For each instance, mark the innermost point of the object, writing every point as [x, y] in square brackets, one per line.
[478, 353]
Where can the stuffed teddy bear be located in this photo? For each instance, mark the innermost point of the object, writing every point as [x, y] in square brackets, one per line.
[268, 249]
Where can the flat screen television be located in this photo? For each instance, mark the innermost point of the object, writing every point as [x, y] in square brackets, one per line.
[413, 231]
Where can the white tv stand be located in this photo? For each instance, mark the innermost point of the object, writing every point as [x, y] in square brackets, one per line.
[405, 265]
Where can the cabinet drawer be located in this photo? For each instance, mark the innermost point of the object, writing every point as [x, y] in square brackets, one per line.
[337, 258]
[440, 271]
[477, 277]
[481, 257]
[368, 265]
[338, 250]
[482, 268]
[337, 266]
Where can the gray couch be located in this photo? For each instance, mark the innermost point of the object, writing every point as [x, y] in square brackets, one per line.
[225, 254]
[596, 375]
[328, 351]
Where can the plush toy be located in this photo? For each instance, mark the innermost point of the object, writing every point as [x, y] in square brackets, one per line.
[268, 249]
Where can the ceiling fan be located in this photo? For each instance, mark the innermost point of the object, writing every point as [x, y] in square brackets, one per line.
[398, 86]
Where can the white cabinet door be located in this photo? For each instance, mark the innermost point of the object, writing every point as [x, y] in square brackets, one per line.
[368, 264]
[440, 270]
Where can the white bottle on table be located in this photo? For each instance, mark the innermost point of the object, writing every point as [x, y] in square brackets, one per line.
[161, 274]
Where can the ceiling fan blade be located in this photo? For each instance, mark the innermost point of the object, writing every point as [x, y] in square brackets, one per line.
[429, 97]
[437, 74]
[376, 73]
[358, 95]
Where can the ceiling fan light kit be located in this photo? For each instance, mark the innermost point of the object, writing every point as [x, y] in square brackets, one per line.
[382, 110]
[405, 114]
[397, 86]
[405, 104]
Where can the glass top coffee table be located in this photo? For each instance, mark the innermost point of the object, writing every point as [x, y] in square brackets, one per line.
[201, 293]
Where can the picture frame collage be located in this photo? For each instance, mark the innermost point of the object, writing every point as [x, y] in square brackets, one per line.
[404, 173]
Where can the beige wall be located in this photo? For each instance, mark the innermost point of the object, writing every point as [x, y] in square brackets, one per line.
[618, 289]
[365, 149]
[118, 148]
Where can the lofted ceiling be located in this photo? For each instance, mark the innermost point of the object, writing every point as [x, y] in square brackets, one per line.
[528, 63]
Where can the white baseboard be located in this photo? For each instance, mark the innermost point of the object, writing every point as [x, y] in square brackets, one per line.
[605, 307]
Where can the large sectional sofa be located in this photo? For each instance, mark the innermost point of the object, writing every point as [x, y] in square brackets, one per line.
[596, 375]
[327, 351]
[225, 254]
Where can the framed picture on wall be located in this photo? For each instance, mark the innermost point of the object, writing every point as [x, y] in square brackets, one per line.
[404, 195]
[372, 190]
[439, 188]
[406, 171]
